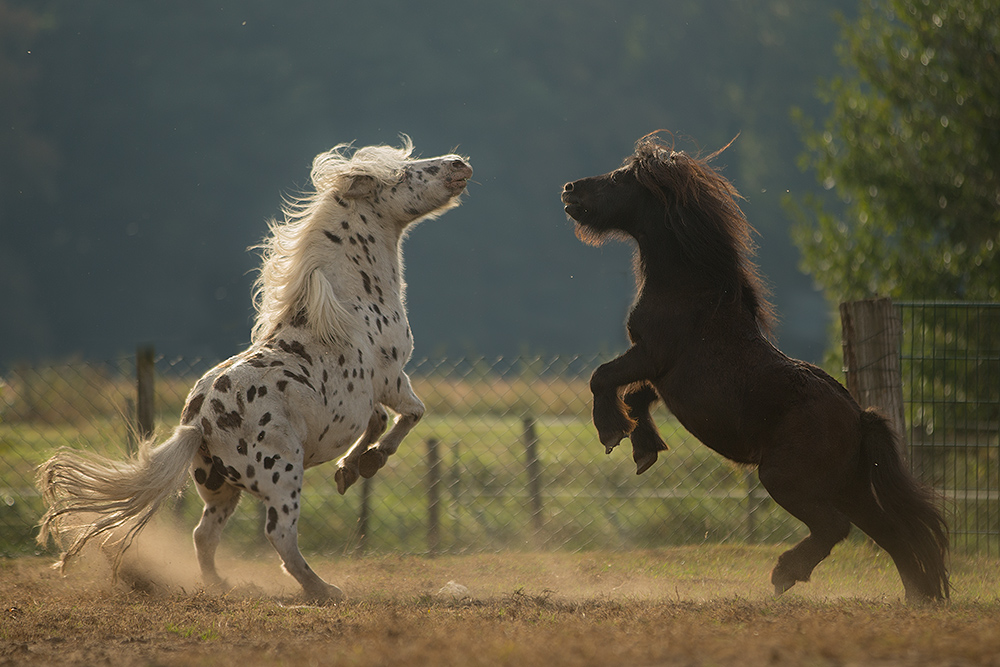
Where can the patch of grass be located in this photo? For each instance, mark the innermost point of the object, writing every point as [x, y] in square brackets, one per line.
[190, 631]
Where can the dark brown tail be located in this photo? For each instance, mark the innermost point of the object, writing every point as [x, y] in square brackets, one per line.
[907, 507]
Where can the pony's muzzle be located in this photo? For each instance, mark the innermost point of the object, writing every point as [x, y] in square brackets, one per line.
[460, 174]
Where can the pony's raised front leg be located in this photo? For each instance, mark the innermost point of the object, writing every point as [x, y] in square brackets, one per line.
[410, 409]
[611, 416]
[347, 468]
[646, 440]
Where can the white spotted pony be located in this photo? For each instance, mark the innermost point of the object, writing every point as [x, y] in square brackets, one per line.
[328, 349]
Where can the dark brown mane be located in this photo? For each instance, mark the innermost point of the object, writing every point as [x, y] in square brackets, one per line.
[702, 211]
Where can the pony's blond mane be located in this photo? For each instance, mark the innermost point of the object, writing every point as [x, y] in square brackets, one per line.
[291, 283]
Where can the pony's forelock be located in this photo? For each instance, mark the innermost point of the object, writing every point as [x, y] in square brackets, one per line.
[334, 169]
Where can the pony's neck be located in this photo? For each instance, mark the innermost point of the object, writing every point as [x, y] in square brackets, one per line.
[688, 289]
[368, 255]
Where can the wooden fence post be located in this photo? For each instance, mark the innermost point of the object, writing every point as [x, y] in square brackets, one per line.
[872, 333]
[145, 396]
[455, 491]
[534, 472]
[434, 497]
[145, 392]
[363, 516]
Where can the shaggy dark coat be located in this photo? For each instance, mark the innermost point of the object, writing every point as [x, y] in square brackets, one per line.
[699, 330]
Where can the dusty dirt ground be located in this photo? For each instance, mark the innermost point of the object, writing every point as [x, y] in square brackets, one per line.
[706, 605]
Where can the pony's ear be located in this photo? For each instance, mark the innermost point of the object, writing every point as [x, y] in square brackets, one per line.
[361, 186]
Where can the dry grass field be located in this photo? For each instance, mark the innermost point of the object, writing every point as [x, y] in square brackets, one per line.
[703, 605]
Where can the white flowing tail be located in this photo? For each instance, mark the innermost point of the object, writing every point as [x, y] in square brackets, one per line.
[76, 486]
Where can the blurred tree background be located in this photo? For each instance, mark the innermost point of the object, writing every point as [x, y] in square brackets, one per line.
[144, 146]
[911, 150]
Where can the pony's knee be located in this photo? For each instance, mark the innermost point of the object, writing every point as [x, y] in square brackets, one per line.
[598, 384]
[642, 398]
[411, 411]
[410, 404]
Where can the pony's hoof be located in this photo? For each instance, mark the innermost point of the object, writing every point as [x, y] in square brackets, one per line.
[328, 594]
[223, 586]
[781, 583]
[216, 584]
[345, 478]
[919, 598]
[611, 441]
[612, 430]
[371, 461]
[644, 461]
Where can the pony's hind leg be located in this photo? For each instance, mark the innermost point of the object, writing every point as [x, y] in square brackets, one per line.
[220, 503]
[888, 536]
[646, 440]
[797, 563]
[888, 504]
[280, 527]
[917, 558]
[280, 489]
[827, 526]
[283, 536]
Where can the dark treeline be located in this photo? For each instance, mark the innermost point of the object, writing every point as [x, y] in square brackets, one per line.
[146, 144]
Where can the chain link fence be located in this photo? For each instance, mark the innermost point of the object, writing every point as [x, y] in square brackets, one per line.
[506, 456]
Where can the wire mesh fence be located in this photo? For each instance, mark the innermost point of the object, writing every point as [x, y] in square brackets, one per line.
[951, 382]
[506, 457]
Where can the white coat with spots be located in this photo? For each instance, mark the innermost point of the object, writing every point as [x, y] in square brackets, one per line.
[326, 361]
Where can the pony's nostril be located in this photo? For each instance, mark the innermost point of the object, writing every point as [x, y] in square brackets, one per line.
[568, 187]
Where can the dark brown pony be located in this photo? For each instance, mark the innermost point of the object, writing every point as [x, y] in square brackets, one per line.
[699, 331]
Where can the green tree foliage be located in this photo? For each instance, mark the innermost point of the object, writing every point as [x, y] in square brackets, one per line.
[912, 150]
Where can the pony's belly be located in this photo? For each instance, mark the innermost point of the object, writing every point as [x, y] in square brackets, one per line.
[715, 422]
[332, 442]
[738, 450]
[336, 425]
